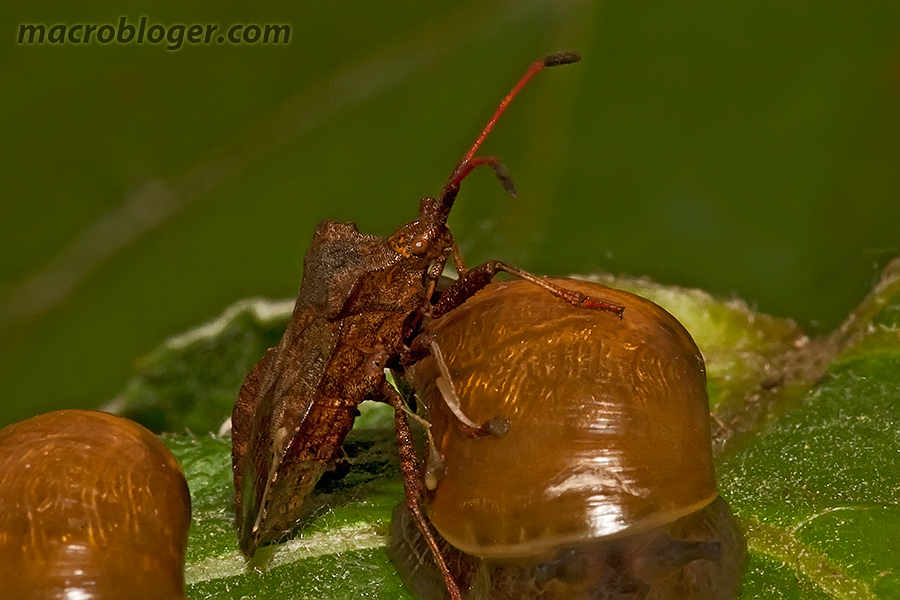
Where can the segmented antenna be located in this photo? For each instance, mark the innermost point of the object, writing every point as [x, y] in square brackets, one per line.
[470, 161]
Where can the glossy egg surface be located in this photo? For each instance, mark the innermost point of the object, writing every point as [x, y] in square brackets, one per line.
[92, 507]
[608, 420]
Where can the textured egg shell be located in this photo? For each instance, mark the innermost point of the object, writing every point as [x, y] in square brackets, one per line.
[609, 420]
[91, 506]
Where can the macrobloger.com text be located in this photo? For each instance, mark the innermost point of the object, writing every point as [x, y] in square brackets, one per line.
[175, 35]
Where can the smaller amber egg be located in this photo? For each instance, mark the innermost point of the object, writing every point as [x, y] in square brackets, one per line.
[92, 507]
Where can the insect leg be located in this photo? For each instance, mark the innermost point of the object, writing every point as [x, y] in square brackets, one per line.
[414, 486]
[458, 261]
[477, 277]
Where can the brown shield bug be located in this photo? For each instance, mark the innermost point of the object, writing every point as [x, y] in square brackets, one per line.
[360, 302]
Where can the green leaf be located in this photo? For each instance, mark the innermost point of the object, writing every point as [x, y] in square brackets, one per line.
[811, 473]
[817, 489]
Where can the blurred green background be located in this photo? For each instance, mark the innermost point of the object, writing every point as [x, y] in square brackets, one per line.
[750, 149]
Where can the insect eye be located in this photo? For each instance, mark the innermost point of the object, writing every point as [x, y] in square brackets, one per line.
[418, 246]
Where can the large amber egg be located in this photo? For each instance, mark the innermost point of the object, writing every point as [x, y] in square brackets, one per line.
[603, 486]
[609, 414]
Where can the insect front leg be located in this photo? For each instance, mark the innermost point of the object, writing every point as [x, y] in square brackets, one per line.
[476, 278]
[413, 484]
